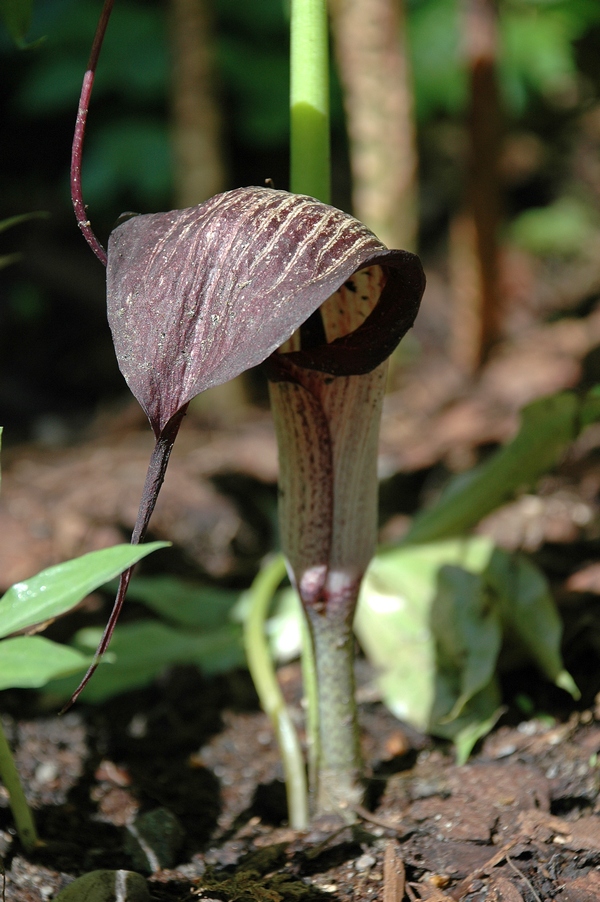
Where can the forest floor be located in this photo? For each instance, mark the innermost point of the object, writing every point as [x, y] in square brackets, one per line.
[190, 764]
[193, 767]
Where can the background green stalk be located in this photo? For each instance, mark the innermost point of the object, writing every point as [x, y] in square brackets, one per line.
[18, 803]
[310, 169]
[263, 675]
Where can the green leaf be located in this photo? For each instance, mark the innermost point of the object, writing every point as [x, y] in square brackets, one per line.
[29, 662]
[547, 428]
[22, 217]
[590, 408]
[141, 651]
[478, 718]
[431, 619]
[16, 15]
[560, 229]
[58, 589]
[468, 635]
[203, 607]
[393, 619]
[529, 612]
[9, 259]
[434, 31]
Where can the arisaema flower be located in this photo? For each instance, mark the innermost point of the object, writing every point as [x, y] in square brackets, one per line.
[197, 296]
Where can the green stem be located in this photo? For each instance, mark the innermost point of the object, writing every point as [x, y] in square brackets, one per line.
[271, 698]
[18, 803]
[309, 100]
[339, 788]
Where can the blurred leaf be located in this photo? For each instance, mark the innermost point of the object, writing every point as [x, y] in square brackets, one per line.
[16, 15]
[528, 610]
[29, 662]
[131, 155]
[434, 30]
[560, 229]
[259, 82]
[393, 619]
[58, 589]
[134, 63]
[22, 217]
[431, 619]
[537, 52]
[467, 631]
[479, 716]
[590, 408]
[140, 651]
[547, 428]
[203, 607]
[273, 21]
[537, 56]
[9, 259]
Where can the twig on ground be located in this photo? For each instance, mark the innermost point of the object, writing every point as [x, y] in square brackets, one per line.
[394, 873]
[520, 874]
[378, 821]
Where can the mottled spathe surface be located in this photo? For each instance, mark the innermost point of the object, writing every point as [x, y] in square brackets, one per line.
[197, 296]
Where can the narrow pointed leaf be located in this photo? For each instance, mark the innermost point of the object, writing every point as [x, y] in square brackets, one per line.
[197, 296]
[140, 651]
[58, 589]
[468, 635]
[529, 611]
[29, 662]
[548, 426]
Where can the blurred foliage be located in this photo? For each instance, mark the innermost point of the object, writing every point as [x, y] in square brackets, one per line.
[17, 15]
[28, 661]
[432, 619]
[561, 229]
[129, 122]
[197, 626]
[7, 259]
[537, 51]
[548, 427]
